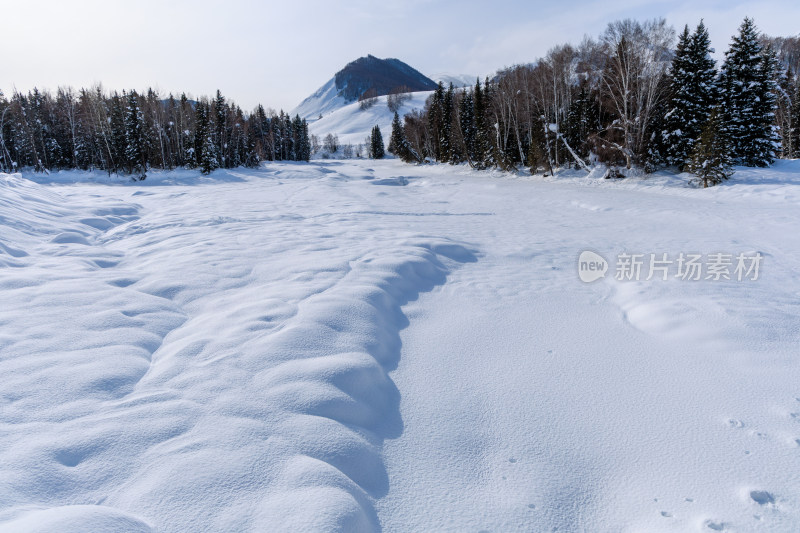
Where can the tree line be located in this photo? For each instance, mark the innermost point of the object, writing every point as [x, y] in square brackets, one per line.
[628, 99]
[132, 132]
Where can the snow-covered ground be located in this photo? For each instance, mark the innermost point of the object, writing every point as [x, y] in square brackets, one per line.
[353, 125]
[365, 345]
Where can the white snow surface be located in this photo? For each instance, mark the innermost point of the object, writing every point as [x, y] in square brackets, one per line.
[366, 345]
[353, 124]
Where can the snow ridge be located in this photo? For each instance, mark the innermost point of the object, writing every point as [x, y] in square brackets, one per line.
[351, 395]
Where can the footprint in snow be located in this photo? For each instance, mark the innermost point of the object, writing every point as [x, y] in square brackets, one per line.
[734, 423]
[512, 460]
[715, 526]
[762, 497]
[666, 514]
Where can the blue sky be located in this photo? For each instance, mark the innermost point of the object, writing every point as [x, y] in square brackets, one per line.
[277, 53]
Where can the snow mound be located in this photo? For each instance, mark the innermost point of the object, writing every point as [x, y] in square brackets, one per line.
[77, 519]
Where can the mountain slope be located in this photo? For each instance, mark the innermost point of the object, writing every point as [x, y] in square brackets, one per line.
[353, 124]
[358, 77]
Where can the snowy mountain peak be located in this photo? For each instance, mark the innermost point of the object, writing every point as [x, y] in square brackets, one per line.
[364, 74]
[458, 80]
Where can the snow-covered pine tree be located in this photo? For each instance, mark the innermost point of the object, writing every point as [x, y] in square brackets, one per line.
[5, 135]
[135, 158]
[220, 129]
[711, 159]
[117, 126]
[466, 121]
[746, 83]
[435, 114]
[674, 123]
[205, 147]
[446, 132]
[693, 91]
[770, 74]
[796, 119]
[582, 120]
[483, 138]
[186, 144]
[208, 160]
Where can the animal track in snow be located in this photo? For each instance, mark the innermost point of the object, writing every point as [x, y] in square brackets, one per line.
[734, 423]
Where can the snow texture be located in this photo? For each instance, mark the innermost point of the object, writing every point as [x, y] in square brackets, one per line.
[367, 345]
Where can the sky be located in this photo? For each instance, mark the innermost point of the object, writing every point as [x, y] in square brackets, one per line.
[277, 53]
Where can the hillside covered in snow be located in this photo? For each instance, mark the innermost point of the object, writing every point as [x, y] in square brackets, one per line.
[366, 75]
[352, 124]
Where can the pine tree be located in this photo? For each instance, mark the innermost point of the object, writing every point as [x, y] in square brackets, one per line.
[5, 137]
[376, 143]
[220, 130]
[711, 159]
[582, 120]
[767, 146]
[135, 159]
[208, 160]
[746, 82]
[446, 131]
[205, 147]
[117, 126]
[483, 144]
[435, 121]
[300, 140]
[537, 150]
[796, 119]
[693, 91]
[398, 143]
[466, 121]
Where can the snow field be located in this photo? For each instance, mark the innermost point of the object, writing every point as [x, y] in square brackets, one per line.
[366, 345]
[163, 362]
